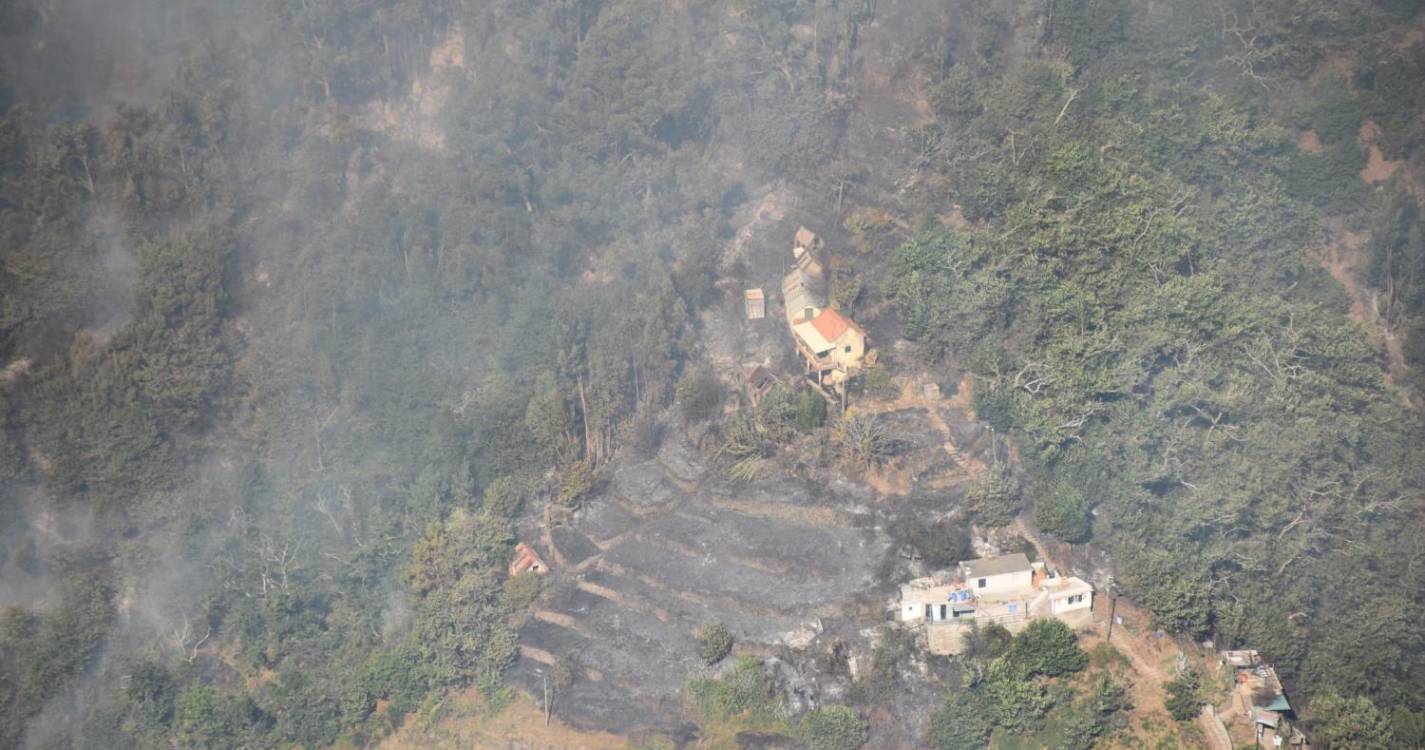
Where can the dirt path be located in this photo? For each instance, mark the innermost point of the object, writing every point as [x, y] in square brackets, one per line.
[1213, 729]
[915, 393]
[1342, 257]
[469, 724]
[1146, 690]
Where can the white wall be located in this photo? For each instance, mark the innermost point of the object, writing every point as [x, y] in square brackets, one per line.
[1003, 583]
[1061, 603]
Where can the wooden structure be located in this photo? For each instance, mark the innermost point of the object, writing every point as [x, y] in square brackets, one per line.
[755, 303]
[760, 381]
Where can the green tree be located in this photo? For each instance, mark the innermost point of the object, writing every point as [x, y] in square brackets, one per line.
[1103, 711]
[1016, 699]
[962, 722]
[1408, 727]
[464, 544]
[1065, 513]
[1336, 723]
[1184, 698]
[198, 718]
[700, 395]
[502, 498]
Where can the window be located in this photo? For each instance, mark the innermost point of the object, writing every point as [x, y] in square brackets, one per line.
[848, 348]
[942, 611]
[1076, 599]
[981, 584]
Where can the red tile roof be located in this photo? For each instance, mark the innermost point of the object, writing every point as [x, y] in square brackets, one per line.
[831, 324]
[526, 559]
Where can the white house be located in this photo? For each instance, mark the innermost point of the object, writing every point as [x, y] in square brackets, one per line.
[1009, 591]
[1068, 595]
[935, 599]
[997, 575]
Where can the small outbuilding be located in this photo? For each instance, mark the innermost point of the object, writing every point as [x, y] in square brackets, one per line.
[527, 559]
[755, 303]
[806, 239]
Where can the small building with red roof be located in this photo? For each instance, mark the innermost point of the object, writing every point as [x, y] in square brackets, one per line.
[527, 559]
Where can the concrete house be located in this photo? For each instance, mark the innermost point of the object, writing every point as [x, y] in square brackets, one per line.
[993, 575]
[934, 599]
[1008, 590]
[1068, 596]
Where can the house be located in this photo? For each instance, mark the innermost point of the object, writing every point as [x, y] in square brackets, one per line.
[804, 296]
[1260, 698]
[832, 341]
[832, 345]
[755, 303]
[1007, 590]
[993, 575]
[1069, 599]
[934, 599]
[527, 559]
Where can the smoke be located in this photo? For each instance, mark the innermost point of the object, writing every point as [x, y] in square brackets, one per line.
[37, 530]
[79, 56]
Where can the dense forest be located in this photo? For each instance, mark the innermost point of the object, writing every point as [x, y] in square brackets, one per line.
[304, 307]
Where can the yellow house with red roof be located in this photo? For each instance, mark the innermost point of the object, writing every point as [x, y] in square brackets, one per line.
[832, 344]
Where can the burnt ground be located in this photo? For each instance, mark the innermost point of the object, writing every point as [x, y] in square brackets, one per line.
[786, 563]
[789, 563]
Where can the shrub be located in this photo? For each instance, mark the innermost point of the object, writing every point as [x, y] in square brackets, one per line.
[778, 411]
[877, 381]
[743, 690]
[1182, 700]
[994, 498]
[833, 728]
[715, 642]
[521, 590]
[811, 410]
[1048, 647]
[942, 543]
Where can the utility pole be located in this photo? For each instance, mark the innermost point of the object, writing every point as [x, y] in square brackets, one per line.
[1112, 607]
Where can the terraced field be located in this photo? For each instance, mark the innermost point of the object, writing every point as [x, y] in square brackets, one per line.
[669, 546]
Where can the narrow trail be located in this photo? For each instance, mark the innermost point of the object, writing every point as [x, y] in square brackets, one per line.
[1341, 257]
[1213, 729]
[1147, 689]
